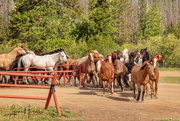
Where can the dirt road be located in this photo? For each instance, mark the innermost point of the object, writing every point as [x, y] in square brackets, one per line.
[92, 106]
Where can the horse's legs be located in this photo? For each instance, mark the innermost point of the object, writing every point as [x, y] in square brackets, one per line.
[95, 75]
[112, 85]
[151, 86]
[139, 92]
[143, 91]
[120, 84]
[134, 88]
[103, 88]
[156, 87]
[110, 89]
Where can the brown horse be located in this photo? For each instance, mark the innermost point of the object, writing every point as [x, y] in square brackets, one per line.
[38, 52]
[140, 75]
[119, 68]
[65, 66]
[87, 65]
[156, 58]
[107, 74]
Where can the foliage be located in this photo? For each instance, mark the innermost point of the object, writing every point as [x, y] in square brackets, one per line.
[153, 22]
[41, 20]
[121, 16]
[103, 45]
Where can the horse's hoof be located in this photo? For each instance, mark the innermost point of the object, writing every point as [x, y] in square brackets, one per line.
[156, 97]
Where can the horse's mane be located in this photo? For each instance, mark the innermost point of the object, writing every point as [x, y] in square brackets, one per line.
[55, 51]
[142, 67]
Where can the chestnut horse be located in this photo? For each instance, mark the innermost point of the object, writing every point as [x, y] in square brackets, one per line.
[156, 58]
[106, 74]
[65, 66]
[140, 75]
[119, 68]
[87, 65]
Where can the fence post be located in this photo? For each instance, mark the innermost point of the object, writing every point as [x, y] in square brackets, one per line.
[64, 78]
[52, 91]
[80, 75]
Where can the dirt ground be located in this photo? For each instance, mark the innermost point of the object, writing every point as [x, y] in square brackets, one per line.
[92, 106]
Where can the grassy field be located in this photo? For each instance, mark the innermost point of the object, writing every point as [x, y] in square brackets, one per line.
[169, 69]
[28, 113]
[174, 80]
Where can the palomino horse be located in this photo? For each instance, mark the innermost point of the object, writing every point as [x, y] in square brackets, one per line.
[106, 74]
[156, 58]
[140, 75]
[65, 66]
[50, 59]
[8, 58]
[87, 65]
[119, 68]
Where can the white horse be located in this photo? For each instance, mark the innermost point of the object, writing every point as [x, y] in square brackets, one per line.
[51, 59]
[125, 56]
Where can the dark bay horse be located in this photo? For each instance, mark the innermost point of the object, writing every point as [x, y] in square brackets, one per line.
[156, 58]
[140, 75]
[119, 68]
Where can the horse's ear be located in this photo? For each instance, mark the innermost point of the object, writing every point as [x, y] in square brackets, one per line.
[17, 45]
[152, 56]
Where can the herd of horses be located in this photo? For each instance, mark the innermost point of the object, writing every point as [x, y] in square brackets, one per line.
[128, 68]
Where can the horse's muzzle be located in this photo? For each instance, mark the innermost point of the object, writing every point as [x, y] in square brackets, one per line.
[152, 75]
[65, 61]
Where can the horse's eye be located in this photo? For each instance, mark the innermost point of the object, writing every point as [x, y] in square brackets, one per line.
[148, 68]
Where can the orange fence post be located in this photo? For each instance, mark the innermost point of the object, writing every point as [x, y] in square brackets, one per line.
[80, 75]
[52, 91]
[64, 78]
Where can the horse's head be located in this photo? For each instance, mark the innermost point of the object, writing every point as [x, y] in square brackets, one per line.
[150, 69]
[91, 56]
[155, 59]
[63, 56]
[96, 53]
[125, 54]
[24, 47]
[159, 58]
[109, 57]
[38, 52]
[143, 53]
[118, 54]
[20, 50]
[114, 55]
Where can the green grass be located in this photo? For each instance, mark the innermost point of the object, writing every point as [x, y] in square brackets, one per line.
[169, 69]
[35, 114]
[174, 80]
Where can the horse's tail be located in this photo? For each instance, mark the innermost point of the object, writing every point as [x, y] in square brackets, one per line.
[14, 64]
[20, 65]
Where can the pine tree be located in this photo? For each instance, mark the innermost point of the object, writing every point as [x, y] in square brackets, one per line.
[99, 17]
[153, 22]
[142, 19]
[122, 20]
[42, 20]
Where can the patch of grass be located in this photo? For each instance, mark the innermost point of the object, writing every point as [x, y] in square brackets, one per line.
[169, 69]
[175, 80]
[33, 114]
